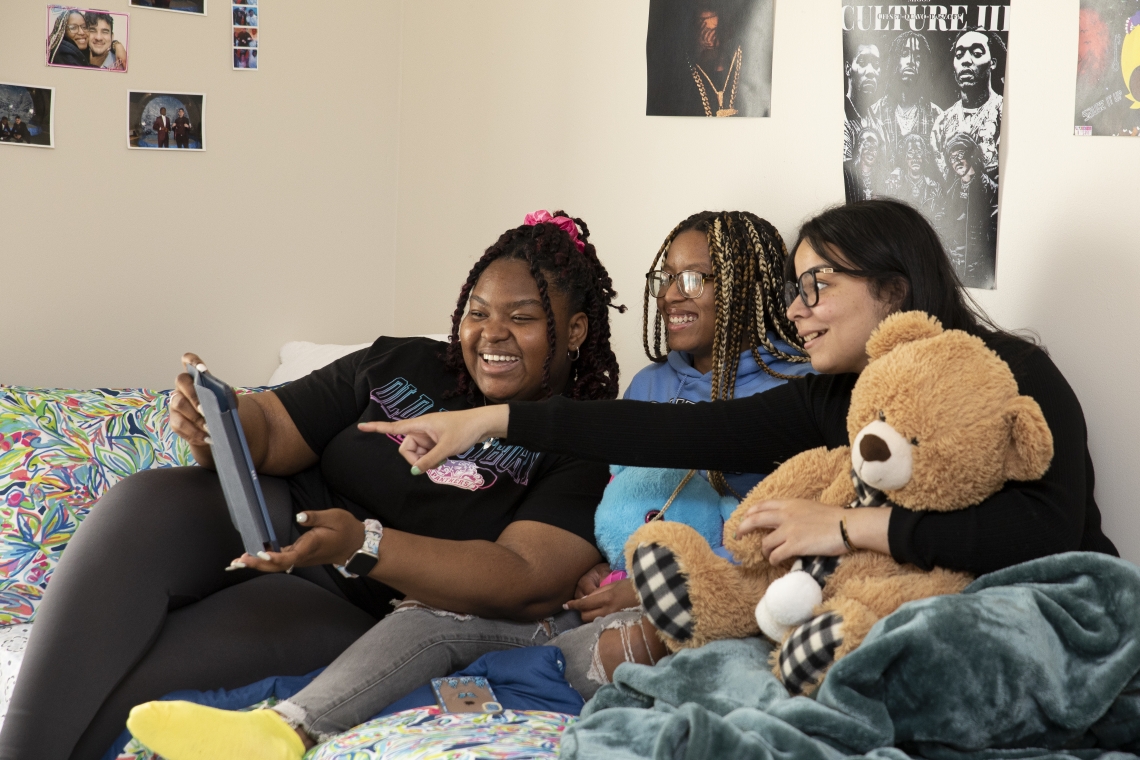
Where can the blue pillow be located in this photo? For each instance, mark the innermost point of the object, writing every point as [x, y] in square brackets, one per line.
[531, 678]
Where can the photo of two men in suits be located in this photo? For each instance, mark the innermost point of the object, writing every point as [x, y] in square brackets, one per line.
[181, 127]
[155, 118]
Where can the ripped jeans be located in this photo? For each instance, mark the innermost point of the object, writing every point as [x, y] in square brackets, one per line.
[412, 645]
[579, 647]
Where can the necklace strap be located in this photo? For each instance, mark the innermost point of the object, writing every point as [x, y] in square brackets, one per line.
[676, 491]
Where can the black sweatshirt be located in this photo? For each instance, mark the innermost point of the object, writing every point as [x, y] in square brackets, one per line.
[1023, 521]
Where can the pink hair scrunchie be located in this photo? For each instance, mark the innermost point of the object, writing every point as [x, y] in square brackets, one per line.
[564, 223]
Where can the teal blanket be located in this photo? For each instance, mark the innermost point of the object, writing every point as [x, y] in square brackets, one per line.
[1040, 660]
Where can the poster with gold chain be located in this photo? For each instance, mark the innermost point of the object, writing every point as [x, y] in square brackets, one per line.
[710, 58]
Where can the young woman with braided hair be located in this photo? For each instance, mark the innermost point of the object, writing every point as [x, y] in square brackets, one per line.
[497, 536]
[717, 286]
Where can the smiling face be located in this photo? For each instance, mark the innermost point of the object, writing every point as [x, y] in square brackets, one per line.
[972, 60]
[503, 334]
[100, 37]
[836, 329]
[77, 30]
[690, 323]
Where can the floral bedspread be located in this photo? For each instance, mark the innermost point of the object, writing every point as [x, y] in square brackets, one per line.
[59, 451]
[425, 733]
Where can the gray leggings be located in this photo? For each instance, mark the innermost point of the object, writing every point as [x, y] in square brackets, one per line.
[140, 606]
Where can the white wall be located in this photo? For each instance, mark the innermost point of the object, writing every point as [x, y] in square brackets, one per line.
[498, 108]
[114, 261]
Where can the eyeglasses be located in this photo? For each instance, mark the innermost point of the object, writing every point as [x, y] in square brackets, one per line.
[690, 283]
[73, 28]
[807, 287]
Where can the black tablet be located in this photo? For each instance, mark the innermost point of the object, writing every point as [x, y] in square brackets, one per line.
[233, 463]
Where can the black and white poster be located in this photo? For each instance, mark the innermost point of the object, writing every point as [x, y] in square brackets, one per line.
[1108, 69]
[924, 86]
[709, 58]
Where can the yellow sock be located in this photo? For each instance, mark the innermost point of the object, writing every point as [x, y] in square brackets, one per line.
[186, 731]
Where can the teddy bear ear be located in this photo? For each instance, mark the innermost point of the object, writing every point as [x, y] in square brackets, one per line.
[899, 328]
[1031, 452]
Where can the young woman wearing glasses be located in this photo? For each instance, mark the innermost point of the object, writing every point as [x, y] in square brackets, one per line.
[852, 266]
[717, 282]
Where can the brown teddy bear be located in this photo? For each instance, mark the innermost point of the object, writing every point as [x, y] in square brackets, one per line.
[936, 423]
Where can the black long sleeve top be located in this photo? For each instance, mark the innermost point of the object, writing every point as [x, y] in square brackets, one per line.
[1023, 521]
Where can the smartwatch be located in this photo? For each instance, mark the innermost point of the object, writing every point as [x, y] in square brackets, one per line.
[366, 557]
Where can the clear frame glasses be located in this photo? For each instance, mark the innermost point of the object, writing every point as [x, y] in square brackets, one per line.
[691, 283]
[807, 286]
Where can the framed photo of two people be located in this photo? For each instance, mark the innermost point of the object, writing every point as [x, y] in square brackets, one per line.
[166, 121]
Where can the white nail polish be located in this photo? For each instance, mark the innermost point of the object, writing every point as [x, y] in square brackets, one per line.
[199, 408]
[263, 555]
[302, 517]
[202, 367]
[235, 565]
[209, 440]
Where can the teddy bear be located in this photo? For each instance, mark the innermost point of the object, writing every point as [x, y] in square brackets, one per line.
[935, 423]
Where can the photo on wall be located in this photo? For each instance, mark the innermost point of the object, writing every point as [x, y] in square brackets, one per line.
[245, 58]
[166, 121]
[194, 7]
[709, 58]
[245, 15]
[27, 115]
[81, 38]
[923, 101]
[1108, 69]
[245, 35]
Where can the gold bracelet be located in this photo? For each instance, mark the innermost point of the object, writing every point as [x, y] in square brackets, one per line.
[843, 534]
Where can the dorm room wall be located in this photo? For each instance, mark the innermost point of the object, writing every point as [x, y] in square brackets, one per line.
[469, 115]
[115, 261]
[522, 104]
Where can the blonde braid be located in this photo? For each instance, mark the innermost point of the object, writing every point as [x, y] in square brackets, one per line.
[764, 315]
[655, 355]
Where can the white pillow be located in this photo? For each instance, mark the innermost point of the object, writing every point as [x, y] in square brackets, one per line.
[300, 357]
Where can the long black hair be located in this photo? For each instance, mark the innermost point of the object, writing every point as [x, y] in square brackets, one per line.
[555, 262]
[902, 257]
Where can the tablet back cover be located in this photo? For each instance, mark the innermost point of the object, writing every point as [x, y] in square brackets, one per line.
[235, 466]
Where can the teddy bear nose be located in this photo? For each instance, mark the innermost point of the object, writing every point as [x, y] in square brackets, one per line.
[874, 449]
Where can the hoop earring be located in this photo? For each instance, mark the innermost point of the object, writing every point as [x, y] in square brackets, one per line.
[577, 353]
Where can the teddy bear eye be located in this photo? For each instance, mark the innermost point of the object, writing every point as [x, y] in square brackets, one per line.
[913, 441]
[882, 416]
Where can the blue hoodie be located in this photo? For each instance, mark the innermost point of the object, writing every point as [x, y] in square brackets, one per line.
[677, 381]
[635, 492]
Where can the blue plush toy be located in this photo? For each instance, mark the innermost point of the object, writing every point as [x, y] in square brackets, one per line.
[636, 493]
